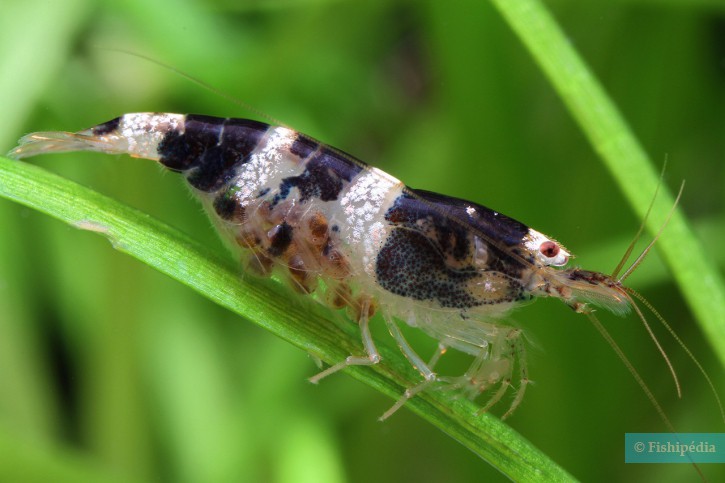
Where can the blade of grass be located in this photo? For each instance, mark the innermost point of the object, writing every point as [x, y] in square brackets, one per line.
[696, 274]
[267, 305]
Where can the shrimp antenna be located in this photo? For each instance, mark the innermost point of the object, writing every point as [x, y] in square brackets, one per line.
[654, 338]
[644, 253]
[640, 381]
[651, 308]
[636, 263]
[630, 367]
[682, 344]
[637, 236]
[202, 84]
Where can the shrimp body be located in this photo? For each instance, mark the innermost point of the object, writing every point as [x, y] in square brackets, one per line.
[359, 239]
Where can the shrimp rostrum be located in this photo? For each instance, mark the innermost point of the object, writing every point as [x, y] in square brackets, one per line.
[360, 240]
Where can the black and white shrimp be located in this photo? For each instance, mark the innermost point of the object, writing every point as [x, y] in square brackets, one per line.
[360, 240]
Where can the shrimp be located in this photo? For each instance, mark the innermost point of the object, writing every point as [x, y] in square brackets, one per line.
[358, 239]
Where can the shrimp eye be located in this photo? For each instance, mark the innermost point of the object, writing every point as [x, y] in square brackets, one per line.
[549, 249]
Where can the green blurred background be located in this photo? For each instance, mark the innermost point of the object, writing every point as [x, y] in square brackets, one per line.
[110, 371]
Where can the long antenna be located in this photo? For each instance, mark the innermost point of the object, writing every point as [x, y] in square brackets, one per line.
[659, 347]
[684, 347]
[640, 381]
[202, 84]
[644, 253]
[637, 236]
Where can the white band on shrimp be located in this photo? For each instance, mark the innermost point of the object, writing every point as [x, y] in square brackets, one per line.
[548, 251]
